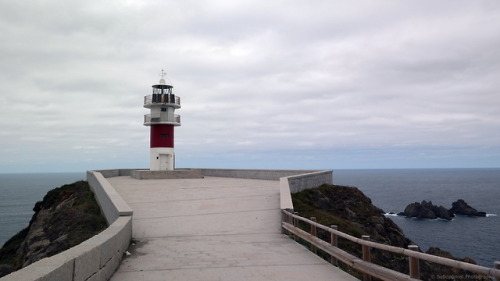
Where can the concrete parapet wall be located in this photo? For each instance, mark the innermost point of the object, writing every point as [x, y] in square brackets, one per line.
[174, 174]
[285, 195]
[95, 259]
[115, 172]
[252, 174]
[111, 203]
[301, 182]
[297, 183]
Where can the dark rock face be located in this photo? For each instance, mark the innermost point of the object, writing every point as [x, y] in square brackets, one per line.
[426, 210]
[460, 207]
[353, 210]
[67, 216]
[431, 271]
[5, 269]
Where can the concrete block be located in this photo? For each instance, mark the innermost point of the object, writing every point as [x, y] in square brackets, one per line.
[125, 235]
[53, 268]
[110, 241]
[111, 266]
[108, 248]
[87, 263]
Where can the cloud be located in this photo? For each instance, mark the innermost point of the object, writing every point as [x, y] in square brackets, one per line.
[253, 77]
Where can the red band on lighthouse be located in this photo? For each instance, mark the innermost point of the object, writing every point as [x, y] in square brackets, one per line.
[162, 135]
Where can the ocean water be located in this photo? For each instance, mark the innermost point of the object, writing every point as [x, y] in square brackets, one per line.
[393, 190]
[390, 190]
[20, 192]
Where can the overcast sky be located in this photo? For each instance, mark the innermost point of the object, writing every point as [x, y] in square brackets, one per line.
[263, 84]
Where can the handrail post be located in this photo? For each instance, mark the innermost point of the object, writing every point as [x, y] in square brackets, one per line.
[334, 242]
[290, 219]
[313, 233]
[366, 256]
[414, 263]
[295, 224]
[283, 219]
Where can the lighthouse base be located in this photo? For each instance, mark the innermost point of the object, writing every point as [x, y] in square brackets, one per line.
[161, 159]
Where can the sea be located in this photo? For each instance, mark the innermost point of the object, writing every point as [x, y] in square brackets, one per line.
[391, 190]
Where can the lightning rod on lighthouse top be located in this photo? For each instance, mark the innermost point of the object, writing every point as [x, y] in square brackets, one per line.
[162, 120]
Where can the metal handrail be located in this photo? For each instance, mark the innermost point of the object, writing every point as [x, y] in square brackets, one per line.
[147, 119]
[162, 99]
[287, 225]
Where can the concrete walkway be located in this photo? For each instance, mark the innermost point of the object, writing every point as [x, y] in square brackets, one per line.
[212, 229]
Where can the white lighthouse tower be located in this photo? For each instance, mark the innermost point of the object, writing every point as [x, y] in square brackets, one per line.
[162, 120]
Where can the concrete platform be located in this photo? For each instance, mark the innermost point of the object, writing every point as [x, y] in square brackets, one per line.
[212, 229]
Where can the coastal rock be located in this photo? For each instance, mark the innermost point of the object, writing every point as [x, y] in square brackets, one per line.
[439, 211]
[351, 211]
[426, 210]
[416, 210]
[460, 207]
[429, 271]
[354, 214]
[67, 216]
[5, 269]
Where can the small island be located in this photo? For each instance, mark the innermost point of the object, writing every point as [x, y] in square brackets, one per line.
[427, 210]
[459, 207]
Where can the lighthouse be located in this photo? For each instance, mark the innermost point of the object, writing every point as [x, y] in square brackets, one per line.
[162, 120]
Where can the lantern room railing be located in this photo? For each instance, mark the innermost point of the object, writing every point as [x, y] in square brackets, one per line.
[156, 120]
[167, 99]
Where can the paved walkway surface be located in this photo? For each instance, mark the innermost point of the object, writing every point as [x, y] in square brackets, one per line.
[212, 229]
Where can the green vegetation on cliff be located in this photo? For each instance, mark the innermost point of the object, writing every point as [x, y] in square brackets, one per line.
[67, 216]
[354, 214]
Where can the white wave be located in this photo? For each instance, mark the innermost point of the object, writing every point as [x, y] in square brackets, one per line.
[391, 215]
[491, 215]
[441, 219]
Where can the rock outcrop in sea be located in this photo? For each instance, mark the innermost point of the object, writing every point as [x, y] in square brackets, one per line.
[427, 210]
[460, 207]
[67, 216]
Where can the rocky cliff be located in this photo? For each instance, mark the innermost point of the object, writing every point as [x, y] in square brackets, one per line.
[67, 216]
[354, 213]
